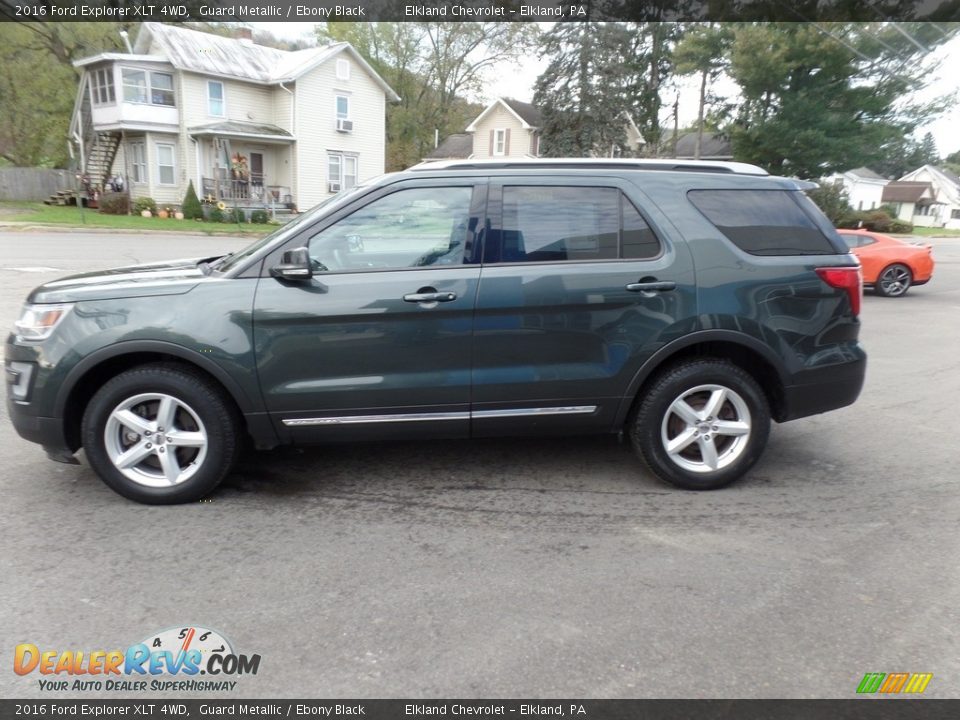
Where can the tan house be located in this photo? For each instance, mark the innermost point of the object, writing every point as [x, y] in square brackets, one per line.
[508, 128]
[248, 124]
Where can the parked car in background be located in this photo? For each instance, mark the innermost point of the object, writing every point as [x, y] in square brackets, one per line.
[890, 265]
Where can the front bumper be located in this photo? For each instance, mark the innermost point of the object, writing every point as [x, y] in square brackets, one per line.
[45, 431]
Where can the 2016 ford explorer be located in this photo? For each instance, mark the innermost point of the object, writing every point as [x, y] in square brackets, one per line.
[684, 304]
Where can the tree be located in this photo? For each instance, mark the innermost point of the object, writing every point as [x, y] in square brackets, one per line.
[818, 99]
[833, 200]
[703, 51]
[192, 209]
[581, 93]
[38, 85]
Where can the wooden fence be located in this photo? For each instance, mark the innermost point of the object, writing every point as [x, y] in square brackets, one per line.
[34, 184]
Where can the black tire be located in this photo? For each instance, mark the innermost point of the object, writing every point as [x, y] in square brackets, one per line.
[894, 280]
[203, 437]
[738, 434]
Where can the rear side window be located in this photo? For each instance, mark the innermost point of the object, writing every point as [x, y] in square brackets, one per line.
[574, 224]
[762, 222]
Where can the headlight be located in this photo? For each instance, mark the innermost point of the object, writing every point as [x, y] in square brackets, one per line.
[38, 321]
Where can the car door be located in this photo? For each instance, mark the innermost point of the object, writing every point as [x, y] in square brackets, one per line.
[378, 342]
[579, 287]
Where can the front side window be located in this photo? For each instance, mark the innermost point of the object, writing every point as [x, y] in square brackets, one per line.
[569, 224]
[343, 107]
[411, 228]
[102, 86]
[762, 222]
[215, 104]
[138, 162]
[165, 167]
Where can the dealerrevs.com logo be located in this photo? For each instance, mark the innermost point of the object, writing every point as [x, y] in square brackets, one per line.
[170, 660]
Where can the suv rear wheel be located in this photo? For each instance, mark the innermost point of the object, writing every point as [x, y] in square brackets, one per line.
[160, 434]
[701, 425]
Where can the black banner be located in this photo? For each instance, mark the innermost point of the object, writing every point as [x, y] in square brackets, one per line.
[478, 10]
[860, 709]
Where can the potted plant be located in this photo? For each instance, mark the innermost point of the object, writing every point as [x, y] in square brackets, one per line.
[163, 214]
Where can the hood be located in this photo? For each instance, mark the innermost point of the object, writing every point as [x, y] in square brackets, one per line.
[174, 277]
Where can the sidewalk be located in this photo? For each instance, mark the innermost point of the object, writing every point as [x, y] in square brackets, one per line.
[225, 231]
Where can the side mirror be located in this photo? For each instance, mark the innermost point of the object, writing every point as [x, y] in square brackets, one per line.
[294, 265]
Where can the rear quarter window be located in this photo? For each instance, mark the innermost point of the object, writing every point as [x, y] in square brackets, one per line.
[763, 222]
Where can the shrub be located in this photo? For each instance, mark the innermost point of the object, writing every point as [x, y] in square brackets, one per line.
[214, 214]
[832, 199]
[900, 227]
[192, 209]
[144, 203]
[877, 221]
[234, 215]
[259, 217]
[115, 203]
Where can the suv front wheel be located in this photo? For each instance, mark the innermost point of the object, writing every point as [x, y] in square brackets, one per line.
[160, 434]
[701, 425]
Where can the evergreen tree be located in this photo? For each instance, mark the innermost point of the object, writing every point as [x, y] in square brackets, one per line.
[192, 209]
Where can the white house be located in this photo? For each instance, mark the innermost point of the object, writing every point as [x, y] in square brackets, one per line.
[864, 187]
[248, 124]
[511, 129]
[946, 190]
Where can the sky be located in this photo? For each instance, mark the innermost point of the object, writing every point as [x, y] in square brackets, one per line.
[516, 80]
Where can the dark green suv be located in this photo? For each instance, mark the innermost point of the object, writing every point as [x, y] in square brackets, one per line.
[684, 304]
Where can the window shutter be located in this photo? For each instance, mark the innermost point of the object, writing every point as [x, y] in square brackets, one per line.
[506, 142]
[491, 143]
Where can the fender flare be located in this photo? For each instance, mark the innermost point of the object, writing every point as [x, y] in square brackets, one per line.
[701, 336]
[245, 403]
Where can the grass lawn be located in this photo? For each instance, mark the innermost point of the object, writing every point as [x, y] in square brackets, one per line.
[66, 216]
[935, 232]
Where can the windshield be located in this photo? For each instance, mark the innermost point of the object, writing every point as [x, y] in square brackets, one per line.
[284, 231]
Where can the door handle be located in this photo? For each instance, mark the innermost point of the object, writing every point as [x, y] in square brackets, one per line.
[654, 286]
[430, 297]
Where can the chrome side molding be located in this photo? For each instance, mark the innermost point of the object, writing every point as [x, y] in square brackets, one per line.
[419, 417]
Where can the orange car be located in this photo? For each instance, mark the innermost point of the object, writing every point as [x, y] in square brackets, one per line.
[891, 266]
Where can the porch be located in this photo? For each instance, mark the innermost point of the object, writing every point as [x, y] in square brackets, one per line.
[243, 164]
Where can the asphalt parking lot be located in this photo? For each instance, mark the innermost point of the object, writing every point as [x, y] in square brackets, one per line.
[519, 568]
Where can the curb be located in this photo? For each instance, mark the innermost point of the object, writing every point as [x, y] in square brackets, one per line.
[86, 229]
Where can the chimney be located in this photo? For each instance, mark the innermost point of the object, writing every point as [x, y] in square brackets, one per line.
[244, 35]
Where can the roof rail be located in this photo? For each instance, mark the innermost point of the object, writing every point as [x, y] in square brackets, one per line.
[662, 164]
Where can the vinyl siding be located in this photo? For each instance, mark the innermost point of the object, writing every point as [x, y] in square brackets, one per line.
[316, 127]
[501, 119]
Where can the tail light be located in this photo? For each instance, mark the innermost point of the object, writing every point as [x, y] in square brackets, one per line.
[845, 278]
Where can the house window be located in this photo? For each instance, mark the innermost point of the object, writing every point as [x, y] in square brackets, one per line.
[499, 142]
[153, 88]
[161, 89]
[955, 214]
[102, 86]
[343, 107]
[215, 104]
[138, 162]
[135, 86]
[343, 69]
[342, 170]
[165, 168]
